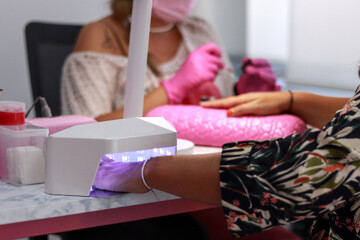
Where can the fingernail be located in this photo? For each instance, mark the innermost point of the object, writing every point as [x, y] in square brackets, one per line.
[229, 112]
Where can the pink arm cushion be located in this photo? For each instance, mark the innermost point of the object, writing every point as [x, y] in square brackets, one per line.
[211, 127]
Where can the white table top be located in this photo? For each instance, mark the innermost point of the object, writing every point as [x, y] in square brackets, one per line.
[30, 202]
[26, 203]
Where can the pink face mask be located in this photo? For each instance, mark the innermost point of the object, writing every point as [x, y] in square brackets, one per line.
[171, 10]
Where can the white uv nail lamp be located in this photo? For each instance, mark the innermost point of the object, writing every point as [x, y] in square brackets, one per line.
[73, 155]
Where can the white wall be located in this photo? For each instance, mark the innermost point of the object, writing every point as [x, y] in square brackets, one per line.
[14, 77]
[229, 19]
[325, 43]
[317, 40]
[267, 29]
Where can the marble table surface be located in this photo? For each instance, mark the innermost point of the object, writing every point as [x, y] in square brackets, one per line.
[30, 202]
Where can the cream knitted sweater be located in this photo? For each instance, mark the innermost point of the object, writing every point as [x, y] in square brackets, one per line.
[94, 83]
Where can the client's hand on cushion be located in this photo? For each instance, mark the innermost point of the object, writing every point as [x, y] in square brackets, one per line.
[257, 103]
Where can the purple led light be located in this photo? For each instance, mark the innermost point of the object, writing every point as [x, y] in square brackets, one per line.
[133, 156]
[141, 155]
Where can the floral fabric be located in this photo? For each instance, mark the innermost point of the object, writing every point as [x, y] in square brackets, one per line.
[311, 175]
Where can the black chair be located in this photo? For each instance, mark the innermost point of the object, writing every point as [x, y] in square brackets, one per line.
[48, 44]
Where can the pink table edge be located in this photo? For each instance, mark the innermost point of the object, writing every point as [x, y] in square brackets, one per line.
[99, 218]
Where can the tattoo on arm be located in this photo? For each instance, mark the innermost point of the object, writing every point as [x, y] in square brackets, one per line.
[108, 43]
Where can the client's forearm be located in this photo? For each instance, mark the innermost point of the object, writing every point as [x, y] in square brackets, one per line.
[315, 109]
[195, 177]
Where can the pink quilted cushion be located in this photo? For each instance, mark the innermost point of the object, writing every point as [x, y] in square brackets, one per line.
[211, 127]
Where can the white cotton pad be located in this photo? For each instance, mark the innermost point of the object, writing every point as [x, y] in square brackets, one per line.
[26, 165]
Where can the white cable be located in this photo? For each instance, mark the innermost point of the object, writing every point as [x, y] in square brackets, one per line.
[155, 195]
[45, 109]
[142, 174]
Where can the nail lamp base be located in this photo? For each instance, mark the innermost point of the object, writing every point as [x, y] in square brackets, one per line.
[73, 155]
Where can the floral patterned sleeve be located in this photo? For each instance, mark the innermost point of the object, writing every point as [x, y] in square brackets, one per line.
[302, 176]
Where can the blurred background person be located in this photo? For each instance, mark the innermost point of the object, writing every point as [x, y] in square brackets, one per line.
[185, 54]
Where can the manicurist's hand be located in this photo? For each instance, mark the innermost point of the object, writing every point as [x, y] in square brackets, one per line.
[202, 65]
[257, 76]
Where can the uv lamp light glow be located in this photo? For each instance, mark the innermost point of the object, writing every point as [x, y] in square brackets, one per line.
[73, 155]
[141, 155]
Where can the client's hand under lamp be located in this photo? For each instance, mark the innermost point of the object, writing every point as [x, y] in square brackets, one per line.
[119, 176]
[202, 65]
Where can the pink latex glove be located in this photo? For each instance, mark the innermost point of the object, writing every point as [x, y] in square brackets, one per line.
[206, 91]
[257, 76]
[202, 65]
[119, 176]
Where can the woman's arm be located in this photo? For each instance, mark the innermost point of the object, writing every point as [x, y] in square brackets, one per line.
[194, 177]
[89, 75]
[316, 110]
[154, 99]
